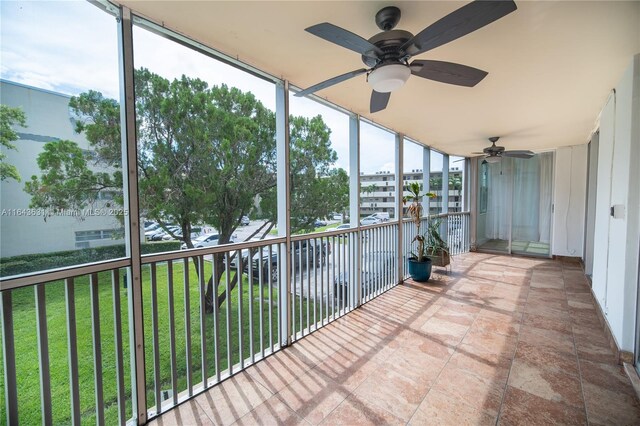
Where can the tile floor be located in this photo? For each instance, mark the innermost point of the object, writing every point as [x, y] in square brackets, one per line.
[499, 340]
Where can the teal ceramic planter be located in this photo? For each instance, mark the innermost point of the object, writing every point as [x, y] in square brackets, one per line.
[420, 271]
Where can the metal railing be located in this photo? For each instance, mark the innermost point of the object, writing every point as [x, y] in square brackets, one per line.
[208, 313]
[454, 229]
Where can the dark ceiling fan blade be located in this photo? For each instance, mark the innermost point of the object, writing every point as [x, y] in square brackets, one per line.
[461, 22]
[331, 82]
[518, 154]
[448, 72]
[379, 101]
[345, 38]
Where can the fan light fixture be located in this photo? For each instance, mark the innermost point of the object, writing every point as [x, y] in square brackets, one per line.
[388, 78]
[493, 159]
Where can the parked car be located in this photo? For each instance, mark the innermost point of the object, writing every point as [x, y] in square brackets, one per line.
[206, 240]
[377, 270]
[383, 216]
[244, 221]
[337, 216]
[340, 227]
[301, 250]
[150, 226]
[159, 233]
[369, 221]
[195, 233]
[318, 223]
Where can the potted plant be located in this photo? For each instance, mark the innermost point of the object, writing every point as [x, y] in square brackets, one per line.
[419, 261]
[435, 247]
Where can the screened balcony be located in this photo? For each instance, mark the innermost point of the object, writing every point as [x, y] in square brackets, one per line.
[498, 339]
[304, 312]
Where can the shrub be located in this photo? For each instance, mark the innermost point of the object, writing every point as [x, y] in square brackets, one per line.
[26, 263]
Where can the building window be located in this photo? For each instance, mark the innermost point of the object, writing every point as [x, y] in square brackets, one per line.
[83, 236]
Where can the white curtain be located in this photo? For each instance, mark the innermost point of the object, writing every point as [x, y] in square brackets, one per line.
[526, 200]
[499, 200]
[519, 199]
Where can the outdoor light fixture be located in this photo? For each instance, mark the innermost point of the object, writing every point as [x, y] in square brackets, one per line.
[388, 78]
[493, 159]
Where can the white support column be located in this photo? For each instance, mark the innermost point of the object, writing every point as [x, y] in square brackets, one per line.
[444, 228]
[472, 206]
[399, 160]
[284, 207]
[354, 206]
[426, 171]
[131, 223]
[445, 183]
[466, 182]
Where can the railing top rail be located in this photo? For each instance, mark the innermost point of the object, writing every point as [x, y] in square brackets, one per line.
[33, 278]
[438, 216]
[223, 248]
[321, 234]
[379, 225]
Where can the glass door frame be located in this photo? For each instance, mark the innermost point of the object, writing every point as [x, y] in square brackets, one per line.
[509, 215]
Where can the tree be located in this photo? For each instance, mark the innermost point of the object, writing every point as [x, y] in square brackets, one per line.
[204, 153]
[316, 189]
[455, 181]
[9, 117]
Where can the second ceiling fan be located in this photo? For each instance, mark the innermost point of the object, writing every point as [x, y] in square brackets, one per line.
[494, 154]
[387, 54]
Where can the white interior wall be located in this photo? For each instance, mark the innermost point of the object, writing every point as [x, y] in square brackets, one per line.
[570, 192]
[616, 239]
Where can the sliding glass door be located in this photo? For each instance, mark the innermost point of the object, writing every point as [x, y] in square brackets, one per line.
[514, 205]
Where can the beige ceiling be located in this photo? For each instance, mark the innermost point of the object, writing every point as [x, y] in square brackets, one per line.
[551, 64]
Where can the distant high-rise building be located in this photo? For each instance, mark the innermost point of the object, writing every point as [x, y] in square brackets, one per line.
[378, 191]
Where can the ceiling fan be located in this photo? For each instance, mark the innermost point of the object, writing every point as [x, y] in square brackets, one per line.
[387, 54]
[495, 153]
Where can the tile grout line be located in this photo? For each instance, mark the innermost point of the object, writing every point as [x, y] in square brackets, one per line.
[575, 348]
[446, 363]
[515, 349]
[352, 393]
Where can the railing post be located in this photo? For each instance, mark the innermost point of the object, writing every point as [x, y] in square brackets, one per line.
[354, 207]
[9, 359]
[284, 208]
[131, 203]
[399, 204]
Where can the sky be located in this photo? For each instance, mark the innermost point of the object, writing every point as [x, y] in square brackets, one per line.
[71, 47]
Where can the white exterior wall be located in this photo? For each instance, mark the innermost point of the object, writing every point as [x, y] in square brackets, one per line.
[615, 269]
[570, 192]
[48, 117]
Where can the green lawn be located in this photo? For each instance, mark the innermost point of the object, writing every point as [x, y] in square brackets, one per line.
[27, 354]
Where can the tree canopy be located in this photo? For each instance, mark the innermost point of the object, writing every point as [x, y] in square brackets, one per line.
[205, 155]
[9, 117]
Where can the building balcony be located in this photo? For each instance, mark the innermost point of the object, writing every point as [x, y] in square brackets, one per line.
[497, 339]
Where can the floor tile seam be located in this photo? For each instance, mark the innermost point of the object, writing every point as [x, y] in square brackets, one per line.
[202, 408]
[399, 325]
[355, 396]
[577, 356]
[443, 367]
[264, 402]
[281, 398]
[515, 349]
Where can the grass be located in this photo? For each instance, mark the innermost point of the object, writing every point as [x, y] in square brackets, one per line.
[25, 338]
